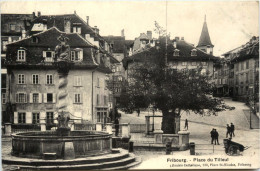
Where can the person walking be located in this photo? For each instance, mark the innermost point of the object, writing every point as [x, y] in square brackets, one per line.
[116, 126]
[232, 129]
[186, 124]
[138, 112]
[212, 135]
[216, 136]
[228, 131]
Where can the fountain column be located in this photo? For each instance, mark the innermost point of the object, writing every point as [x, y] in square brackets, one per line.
[63, 64]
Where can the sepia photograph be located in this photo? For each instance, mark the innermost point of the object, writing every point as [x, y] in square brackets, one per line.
[129, 85]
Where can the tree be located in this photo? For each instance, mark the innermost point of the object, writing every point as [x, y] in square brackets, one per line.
[151, 82]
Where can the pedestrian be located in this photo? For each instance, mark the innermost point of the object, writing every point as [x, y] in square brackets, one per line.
[138, 112]
[212, 135]
[232, 129]
[186, 124]
[216, 136]
[228, 131]
[116, 126]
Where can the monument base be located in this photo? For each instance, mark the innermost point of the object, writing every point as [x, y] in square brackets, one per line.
[63, 131]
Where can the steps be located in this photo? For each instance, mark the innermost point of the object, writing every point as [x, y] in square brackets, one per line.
[118, 159]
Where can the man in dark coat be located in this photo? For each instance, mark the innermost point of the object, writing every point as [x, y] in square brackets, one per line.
[138, 112]
[186, 124]
[228, 131]
[216, 136]
[117, 125]
[212, 135]
[232, 129]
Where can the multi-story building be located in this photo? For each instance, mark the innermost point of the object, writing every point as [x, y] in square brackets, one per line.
[13, 27]
[236, 75]
[224, 74]
[118, 49]
[246, 70]
[34, 79]
[181, 54]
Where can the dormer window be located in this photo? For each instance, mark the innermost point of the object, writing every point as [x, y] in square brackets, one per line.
[35, 39]
[76, 55]
[77, 29]
[21, 55]
[194, 52]
[48, 56]
[176, 52]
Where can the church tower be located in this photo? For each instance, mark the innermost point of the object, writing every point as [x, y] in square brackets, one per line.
[205, 42]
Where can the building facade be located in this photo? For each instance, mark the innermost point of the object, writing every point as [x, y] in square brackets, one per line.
[236, 75]
[13, 27]
[34, 79]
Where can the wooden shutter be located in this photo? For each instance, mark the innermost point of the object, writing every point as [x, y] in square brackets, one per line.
[54, 97]
[44, 54]
[81, 55]
[81, 98]
[17, 97]
[42, 117]
[40, 97]
[15, 117]
[80, 81]
[30, 98]
[25, 98]
[45, 98]
[28, 117]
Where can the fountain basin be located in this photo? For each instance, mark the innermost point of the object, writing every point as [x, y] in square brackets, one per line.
[85, 143]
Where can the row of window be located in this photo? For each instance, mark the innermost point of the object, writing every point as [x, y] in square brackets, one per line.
[35, 79]
[37, 98]
[242, 65]
[177, 52]
[49, 55]
[194, 63]
[35, 117]
[49, 79]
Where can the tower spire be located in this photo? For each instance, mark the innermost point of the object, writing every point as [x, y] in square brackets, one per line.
[204, 41]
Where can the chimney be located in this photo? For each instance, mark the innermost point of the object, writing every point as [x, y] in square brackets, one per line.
[39, 13]
[96, 30]
[123, 33]
[149, 35]
[75, 12]
[23, 34]
[87, 19]
[177, 38]
[33, 14]
[182, 38]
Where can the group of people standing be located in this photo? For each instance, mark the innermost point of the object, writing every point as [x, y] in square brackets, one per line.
[230, 130]
[214, 136]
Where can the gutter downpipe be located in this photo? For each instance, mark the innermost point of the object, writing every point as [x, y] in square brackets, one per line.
[92, 95]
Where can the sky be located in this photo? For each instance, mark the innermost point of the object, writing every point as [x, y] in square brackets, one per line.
[230, 23]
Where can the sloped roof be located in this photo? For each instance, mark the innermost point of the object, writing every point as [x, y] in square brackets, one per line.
[49, 38]
[204, 37]
[118, 41]
[251, 50]
[24, 21]
[58, 21]
[184, 53]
